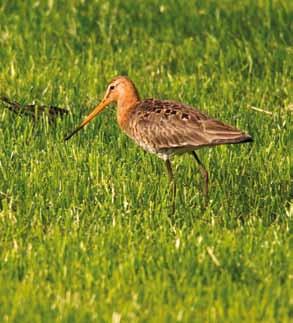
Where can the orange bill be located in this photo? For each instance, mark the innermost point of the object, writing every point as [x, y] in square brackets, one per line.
[98, 109]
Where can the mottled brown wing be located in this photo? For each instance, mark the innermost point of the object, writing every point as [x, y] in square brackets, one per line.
[161, 125]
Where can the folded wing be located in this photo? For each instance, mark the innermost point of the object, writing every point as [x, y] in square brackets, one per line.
[161, 125]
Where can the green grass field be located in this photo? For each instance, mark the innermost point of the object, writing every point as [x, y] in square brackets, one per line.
[85, 228]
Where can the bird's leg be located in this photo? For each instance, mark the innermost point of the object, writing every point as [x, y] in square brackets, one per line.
[205, 174]
[172, 182]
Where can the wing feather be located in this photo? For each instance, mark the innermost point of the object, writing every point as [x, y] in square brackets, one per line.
[161, 125]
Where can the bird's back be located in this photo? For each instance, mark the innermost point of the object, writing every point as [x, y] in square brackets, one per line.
[163, 126]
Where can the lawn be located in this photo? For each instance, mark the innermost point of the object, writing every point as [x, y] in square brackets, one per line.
[86, 233]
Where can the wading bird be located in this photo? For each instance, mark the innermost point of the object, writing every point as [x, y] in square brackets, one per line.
[164, 127]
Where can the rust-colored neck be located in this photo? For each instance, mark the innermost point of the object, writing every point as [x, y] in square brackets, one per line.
[126, 103]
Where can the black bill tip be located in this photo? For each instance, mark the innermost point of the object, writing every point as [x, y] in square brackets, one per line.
[71, 134]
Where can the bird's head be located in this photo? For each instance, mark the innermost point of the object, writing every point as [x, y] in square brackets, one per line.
[120, 90]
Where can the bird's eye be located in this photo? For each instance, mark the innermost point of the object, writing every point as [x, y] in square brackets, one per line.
[112, 87]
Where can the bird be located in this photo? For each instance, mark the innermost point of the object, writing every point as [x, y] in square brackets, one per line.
[34, 111]
[165, 127]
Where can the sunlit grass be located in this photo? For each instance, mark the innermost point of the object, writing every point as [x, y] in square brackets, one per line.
[85, 226]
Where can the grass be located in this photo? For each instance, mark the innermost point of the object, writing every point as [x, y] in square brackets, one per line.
[85, 230]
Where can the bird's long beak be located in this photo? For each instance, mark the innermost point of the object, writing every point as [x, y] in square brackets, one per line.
[98, 109]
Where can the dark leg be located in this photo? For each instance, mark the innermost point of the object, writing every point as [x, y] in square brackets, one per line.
[172, 182]
[205, 174]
